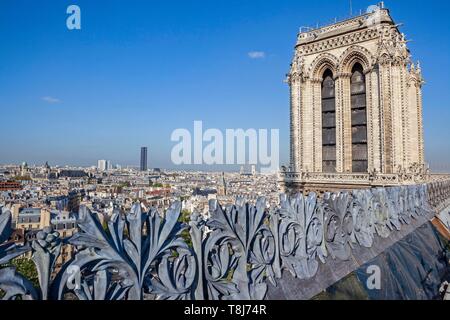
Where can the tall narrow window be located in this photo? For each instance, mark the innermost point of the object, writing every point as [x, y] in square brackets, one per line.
[328, 123]
[359, 120]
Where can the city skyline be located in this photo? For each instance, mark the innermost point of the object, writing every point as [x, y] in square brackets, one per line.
[227, 63]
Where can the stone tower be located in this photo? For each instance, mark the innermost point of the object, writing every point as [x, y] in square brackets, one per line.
[356, 107]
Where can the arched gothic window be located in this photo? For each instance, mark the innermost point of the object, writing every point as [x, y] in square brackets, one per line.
[328, 123]
[359, 120]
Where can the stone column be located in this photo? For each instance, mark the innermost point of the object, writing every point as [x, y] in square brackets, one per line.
[397, 118]
[420, 123]
[414, 120]
[317, 124]
[386, 115]
[404, 97]
[374, 120]
[306, 123]
[294, 83]
[344, 124]
[339, 126]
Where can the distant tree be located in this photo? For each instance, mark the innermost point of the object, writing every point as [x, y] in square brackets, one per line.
[105, 227]
[22, 178]
[121, 186]
[187, 237]
[185, 217]
[26, 267]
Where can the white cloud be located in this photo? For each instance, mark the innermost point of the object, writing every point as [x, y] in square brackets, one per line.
[257, 54]
[51, 99]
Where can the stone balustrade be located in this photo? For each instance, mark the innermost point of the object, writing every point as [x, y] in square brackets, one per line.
[376, 179]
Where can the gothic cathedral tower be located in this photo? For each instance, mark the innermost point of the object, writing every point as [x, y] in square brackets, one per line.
[356, 107]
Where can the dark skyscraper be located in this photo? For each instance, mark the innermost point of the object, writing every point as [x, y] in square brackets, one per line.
[144, 159]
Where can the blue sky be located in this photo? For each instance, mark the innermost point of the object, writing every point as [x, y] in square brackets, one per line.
[140, 69]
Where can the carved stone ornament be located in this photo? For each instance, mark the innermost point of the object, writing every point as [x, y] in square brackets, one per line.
[233, 255]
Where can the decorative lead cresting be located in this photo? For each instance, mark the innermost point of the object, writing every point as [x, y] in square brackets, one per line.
[233, 255]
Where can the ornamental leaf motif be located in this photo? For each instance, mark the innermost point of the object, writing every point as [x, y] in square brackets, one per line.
[239, 252]
[362, 212]
[133, 260]
[235, 254]
[301, 237]
[338, 224]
